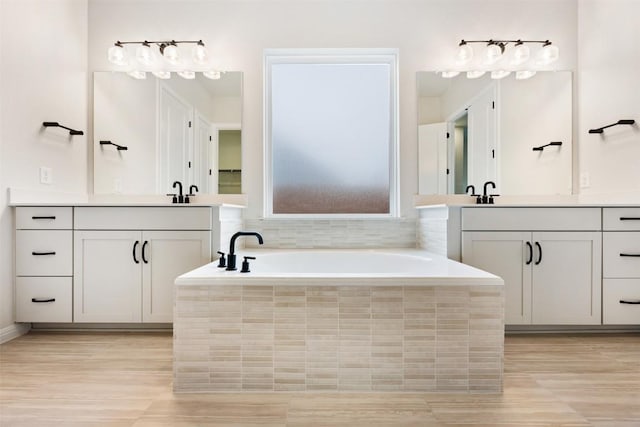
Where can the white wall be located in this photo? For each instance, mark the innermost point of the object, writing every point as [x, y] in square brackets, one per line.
[426, 32]
[44, 78]
[609, 88]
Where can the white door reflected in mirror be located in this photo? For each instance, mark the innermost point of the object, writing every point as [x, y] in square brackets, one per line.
[491, 129]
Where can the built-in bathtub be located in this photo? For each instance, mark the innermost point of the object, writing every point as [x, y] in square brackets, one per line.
[339, 320]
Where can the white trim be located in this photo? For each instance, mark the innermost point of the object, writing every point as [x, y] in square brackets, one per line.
[359, 55]
[13, 331]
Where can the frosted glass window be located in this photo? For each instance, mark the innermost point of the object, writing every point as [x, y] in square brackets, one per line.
[331, 134]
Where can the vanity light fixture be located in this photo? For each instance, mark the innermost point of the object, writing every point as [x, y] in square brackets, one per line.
[494, 53]
[169, 49]
[166, 58]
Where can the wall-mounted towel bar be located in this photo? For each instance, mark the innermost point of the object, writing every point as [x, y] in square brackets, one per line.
[553, 143]
[619, 122]
[119, 147]
[56, 124]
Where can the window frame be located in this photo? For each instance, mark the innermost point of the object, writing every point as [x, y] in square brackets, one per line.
[332, 56]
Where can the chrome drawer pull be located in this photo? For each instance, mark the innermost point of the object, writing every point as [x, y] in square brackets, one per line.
[43, 217]
[631, 255]
[629, 218]
[42, 300]
[630, 301]
[43, 253]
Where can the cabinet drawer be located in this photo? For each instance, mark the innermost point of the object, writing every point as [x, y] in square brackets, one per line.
[43, 299]
[44, 218]
[44, 253]
[621, 219]
[621, 254]
[532, 219]
[143, 218]
[615, 312]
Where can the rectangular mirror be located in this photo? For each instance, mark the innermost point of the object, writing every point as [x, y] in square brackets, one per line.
[173, 130]
[475, 130]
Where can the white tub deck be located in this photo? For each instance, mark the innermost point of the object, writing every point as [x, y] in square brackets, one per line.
[339, 320]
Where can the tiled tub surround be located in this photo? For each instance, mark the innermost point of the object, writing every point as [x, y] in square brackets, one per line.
[334, 233]
[442, 332]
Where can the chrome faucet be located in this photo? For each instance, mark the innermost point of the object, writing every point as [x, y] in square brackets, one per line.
[231, 257]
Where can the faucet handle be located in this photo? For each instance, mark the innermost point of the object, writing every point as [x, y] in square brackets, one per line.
[491, 196]
[222, 262]
[175, 197]
[245, 264]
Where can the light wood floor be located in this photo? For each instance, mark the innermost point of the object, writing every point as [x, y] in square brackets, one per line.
[124, 379]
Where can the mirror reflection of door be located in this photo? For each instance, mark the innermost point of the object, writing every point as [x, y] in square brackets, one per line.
[229, 161]
[175, 146]
[458, 156]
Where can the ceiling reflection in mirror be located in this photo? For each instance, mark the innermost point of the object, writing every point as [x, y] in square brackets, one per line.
[186, 130]
[471, 131]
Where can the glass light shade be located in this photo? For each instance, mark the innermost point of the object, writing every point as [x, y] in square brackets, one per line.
[211, 74]
[474, 74]
[171, 54]
[449, 74]
[521, 54]
[200, 55]
[548, 54]
[161, 74]
[492, 54]
[187, 74]
[524, 74]
[117, 55]
[144, 55]
[464, 55]
[499, 74]
[136, 74]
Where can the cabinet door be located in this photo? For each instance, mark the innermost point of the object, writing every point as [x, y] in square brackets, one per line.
[107, 276]
[505, 254]
[166, 255]
[567, 284]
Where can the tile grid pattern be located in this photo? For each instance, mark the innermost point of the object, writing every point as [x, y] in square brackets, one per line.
[338, 233]
[432, 235]
[338, 338]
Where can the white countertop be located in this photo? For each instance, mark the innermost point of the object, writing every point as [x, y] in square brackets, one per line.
[595, 200]
[19, 197]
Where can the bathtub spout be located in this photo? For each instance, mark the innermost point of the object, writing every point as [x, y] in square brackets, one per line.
[231, 258]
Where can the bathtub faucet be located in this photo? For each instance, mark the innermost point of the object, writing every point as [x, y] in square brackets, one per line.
[231, 258]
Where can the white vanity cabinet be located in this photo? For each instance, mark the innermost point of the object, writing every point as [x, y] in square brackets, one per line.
[44, 264]
[621, 266]
[126, 260]
[549, 258]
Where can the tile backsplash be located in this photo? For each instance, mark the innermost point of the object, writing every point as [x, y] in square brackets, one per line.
[334, 233]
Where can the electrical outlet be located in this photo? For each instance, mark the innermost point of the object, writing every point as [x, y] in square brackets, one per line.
[46, 175]
[585, 180]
